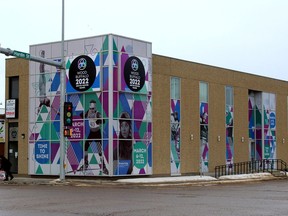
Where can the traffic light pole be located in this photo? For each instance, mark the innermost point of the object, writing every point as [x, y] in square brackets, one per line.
[9, 52]
[62, 101]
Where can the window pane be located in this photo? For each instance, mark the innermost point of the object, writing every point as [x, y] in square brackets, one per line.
[14, 87]
[203, 92]
[175, 88]
[229, 95]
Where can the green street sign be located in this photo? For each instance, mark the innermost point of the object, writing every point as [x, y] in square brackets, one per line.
[21, 54]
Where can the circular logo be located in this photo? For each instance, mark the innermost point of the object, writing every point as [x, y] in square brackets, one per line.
[14, 134]
[82, 63]
[82, 73]
[134, 73]
[134, 65]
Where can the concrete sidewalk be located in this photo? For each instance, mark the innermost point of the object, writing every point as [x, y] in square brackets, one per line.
[141, 181]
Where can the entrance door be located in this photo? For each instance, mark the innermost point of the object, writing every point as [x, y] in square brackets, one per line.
[13, 146]
[13, 156]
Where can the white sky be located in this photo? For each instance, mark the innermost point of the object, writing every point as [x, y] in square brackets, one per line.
[245, 35]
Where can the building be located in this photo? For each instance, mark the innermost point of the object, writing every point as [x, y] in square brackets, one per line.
[164, 103]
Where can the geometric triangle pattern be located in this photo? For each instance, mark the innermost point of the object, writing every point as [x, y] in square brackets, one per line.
[45, 124]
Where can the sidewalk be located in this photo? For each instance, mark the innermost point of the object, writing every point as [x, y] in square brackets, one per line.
[143, 181]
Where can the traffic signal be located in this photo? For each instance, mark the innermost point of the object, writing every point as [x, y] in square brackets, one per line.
[68, 108]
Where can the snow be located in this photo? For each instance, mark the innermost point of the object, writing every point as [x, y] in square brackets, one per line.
[195, 178]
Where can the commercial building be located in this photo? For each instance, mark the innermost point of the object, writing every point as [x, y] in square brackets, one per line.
[135, 113]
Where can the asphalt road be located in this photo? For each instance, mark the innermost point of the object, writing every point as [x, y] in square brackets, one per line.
[241, 199]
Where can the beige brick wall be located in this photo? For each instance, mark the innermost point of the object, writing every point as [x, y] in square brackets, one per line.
[217, 78]
[241, 149]
[281, 126]
[19, 67]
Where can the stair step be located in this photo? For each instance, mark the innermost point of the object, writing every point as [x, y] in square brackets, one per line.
[278, 173]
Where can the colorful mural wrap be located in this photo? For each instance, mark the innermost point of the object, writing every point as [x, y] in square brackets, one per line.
[262, 125]
[204, 134]
[175, 141]
[229, 135]
[269, 127]
[109, 85]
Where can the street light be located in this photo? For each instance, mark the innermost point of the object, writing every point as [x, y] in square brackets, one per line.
[62, 101]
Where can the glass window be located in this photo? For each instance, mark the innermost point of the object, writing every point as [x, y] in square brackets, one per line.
[229, 95]
[14, 87]
[175, 88]
[203, 92]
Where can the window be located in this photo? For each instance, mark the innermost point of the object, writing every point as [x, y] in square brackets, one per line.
[203, 92]
[175, 88]
[14, 87]
[175, 121]
[229, 96]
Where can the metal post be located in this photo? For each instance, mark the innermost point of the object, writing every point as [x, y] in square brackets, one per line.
[62, 100]
[110, 48]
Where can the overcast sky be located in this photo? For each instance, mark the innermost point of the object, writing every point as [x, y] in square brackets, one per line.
[244, 35]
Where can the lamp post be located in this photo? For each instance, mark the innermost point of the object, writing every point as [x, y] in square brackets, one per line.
[62, 100]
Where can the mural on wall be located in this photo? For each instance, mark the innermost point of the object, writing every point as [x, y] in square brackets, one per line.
[262, 125]
[90, 147]
[269, 127]
[204, 134]
[255, 124]
[175, 141]
[229, 135]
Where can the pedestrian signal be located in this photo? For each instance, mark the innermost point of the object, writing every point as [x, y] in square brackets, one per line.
[68, 108]
[68, 132]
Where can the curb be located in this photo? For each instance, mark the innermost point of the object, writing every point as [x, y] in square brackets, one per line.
[161, 181]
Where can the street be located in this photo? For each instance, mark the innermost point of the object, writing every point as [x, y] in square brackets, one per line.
[237, 199]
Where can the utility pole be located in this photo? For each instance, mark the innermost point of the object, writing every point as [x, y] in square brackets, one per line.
[62, 100]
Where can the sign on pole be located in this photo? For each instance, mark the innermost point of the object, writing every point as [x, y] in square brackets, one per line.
[21, 54]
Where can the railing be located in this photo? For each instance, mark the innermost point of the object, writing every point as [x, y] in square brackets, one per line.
[254, 166]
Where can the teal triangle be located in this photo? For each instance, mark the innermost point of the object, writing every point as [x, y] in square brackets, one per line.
[44, 109]
[93, 160]
[68, 63]
[105, 44]
[39, 119]
[114, 45]
[39, 170]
